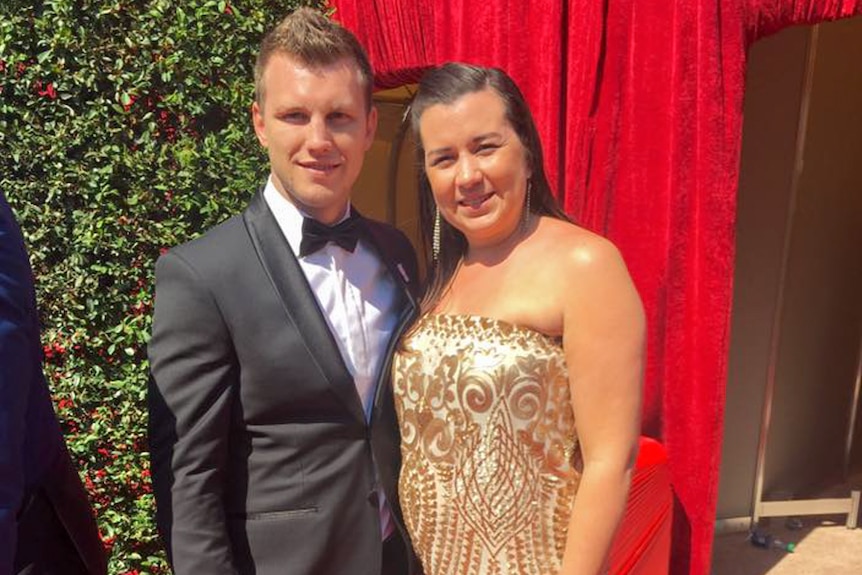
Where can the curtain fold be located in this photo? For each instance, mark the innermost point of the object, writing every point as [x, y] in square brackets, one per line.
[662, 186]
[639, 105]
[398, 35]
[764, 17]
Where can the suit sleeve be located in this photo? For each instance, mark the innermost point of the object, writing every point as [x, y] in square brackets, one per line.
[19, 365]
[193, 375]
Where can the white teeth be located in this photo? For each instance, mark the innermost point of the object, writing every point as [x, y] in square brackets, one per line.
[320, 167]
[476, 202]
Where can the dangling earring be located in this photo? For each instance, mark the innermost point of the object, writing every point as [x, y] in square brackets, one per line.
[435, 241]
[526, 219]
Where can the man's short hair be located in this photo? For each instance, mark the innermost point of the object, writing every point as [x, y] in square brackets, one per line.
[314, 40]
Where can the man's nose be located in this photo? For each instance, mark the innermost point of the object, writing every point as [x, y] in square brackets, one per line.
[319, 136]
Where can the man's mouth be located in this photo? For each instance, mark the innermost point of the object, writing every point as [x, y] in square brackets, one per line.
[321, 167]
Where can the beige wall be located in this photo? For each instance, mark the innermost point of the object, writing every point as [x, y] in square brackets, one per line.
[820, 331]
[823, 311]
[370, 190]
[772, 100]
[372, 193]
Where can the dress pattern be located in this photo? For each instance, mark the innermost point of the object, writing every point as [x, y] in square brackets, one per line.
[488, 446]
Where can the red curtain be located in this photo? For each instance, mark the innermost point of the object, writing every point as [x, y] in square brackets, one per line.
[639, 104]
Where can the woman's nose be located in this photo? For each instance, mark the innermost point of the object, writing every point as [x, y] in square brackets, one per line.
[468, 173]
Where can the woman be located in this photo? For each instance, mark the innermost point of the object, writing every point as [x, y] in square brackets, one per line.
[518, 389]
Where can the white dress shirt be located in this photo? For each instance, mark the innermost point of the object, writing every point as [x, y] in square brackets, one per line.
[356, 296]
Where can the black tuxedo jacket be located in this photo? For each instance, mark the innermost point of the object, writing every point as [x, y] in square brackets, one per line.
[262, 460]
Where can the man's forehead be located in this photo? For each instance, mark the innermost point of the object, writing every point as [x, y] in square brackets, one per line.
[319, 67]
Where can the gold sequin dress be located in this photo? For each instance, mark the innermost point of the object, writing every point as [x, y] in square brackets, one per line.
[488, 444]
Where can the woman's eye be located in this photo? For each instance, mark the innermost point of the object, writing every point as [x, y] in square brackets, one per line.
[439, 161]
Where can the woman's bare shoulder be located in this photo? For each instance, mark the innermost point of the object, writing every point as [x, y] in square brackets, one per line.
[583, 268]
[572, 249]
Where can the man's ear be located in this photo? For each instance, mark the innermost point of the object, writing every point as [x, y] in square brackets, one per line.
[370, 127]
[258, 123]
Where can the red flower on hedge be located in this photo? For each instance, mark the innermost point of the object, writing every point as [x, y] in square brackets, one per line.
[54, 350]
[140, 308]
[128, 106]
[48, 91]
[107, 542]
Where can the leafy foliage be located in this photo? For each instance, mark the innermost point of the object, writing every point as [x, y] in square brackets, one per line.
[124, 129]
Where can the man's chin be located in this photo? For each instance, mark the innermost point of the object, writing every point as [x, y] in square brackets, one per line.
[323, 196]
[320, 201]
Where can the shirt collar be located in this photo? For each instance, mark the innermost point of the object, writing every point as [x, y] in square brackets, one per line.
[289, 216]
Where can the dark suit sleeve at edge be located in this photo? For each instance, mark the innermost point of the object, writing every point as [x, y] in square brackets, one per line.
[19, 362]
[193, 369]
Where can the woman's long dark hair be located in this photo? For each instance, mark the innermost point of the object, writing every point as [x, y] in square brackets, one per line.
[444, 85]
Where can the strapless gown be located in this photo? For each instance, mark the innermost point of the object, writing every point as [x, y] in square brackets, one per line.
[488, 441]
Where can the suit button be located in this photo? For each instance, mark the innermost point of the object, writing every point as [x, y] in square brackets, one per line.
[374, 498]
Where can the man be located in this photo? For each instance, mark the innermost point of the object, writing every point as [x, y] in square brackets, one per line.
[46, 525]
[272, 429]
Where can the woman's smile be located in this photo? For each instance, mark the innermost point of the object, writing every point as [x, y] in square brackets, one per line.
[476, 201]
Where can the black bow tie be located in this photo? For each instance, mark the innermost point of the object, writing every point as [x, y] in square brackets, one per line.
[316, 235]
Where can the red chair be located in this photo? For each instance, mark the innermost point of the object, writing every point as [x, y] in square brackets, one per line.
[642, 544]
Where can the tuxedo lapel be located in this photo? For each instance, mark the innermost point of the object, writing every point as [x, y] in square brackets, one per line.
[408, 306]
[391, 259]
[298, 301]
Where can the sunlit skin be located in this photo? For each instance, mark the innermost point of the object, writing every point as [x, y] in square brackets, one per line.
[476, 166]
[316, 127]
[553, 277]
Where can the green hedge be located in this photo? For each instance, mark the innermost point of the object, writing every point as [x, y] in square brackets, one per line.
[124, 129]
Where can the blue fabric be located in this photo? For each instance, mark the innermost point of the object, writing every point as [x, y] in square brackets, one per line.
[30, 438]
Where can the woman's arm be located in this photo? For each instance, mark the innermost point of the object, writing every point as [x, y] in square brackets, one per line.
[603, 339]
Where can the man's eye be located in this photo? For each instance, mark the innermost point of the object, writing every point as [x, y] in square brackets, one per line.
[294, 117]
